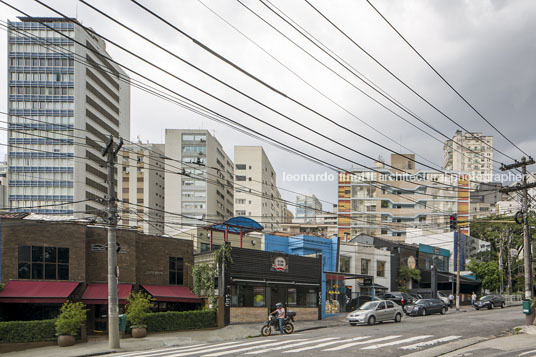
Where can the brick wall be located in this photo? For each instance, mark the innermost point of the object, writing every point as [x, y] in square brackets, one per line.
[305, 313]
[248, 314]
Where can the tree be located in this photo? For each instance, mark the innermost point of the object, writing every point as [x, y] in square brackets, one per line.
[488, 273]
[407, 274]
[204, 274]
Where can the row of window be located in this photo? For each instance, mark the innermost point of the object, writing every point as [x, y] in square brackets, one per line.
[255, 296]
[38, 262]
[41, 91]
[194, 148]
[42, 105]
[345, 262]
[35, 48]
[42, 62]
[37, 183]
[42, 77]
[194, 137]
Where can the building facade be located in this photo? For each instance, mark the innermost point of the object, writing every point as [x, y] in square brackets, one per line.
[199, 180]
[468, 153]
[308, 207]
[255, 191]
[51, 92]
[387, 202]
[141, 188]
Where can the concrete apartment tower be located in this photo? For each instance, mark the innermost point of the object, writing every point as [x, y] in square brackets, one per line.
[141, 181]
[467, 153]
[308, 207]
[49, 95]
[199, 180]
[256, 193]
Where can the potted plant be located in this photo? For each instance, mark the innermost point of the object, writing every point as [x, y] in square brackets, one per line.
[138, 306]
[72, 315]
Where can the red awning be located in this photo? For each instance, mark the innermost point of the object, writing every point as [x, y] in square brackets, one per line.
[40, 292]
[98, 293]
[172, 293]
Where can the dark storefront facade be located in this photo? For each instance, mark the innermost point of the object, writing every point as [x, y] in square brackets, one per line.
[38, 257]
[256, 280]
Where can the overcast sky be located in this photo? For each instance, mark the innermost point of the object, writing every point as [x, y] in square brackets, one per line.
[486, 49]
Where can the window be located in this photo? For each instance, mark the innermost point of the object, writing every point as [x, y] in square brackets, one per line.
[240, 166]
[345, 264]
[389, 304]
[240, 212]
[385, 204]
[292, 297]
[240, 201]
[248, 296]
[240, 178]
[380, 268]
[176, 271]
[49, 263]
[365, 266]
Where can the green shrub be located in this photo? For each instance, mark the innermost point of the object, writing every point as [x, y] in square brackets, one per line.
[27, 331]
[72, 315]
[138, 306]
[183, 320]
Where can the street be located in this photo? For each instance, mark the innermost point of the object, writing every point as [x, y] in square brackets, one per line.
[413, 334]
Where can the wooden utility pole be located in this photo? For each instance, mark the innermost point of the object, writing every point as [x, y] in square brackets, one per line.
[113, 307]
[527, 249]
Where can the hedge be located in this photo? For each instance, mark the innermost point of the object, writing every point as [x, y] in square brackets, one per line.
[183, 320]
[27, 331]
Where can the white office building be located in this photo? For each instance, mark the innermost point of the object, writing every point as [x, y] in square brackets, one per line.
[308, 208]
[199, 180]
[54, 87]
[256, 193]
[470, 153]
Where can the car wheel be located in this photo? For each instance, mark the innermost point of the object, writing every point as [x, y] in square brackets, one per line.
[423, 312]
[371, 320]
[398, 317]
[477, 308]
[502, 305]
[443, 311]
[352, 324]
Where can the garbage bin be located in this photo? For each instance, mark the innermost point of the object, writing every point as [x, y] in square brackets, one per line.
[122, 322]
[526, 306]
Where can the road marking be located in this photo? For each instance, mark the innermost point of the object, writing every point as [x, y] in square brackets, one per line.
[346, 345]
[216, 354]
[392, 343]
[430, 343]
[325, 344]
[290, 346]
[528, 352]
[222, 346]
[148, 353]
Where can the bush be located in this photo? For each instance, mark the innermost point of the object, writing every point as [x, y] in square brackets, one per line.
[27, 331]
[183, 320]
[72, 315]
[139, 305]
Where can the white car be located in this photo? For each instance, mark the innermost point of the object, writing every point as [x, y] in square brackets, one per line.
[443, 298]
[375, 311]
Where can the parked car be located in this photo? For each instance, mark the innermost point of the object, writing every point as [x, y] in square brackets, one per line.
[424, 307]
[399, 297]
[443, 297]
[375, 311]
[416, 296]
[489, 302]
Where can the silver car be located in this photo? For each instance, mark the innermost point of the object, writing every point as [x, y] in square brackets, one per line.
[374, 311]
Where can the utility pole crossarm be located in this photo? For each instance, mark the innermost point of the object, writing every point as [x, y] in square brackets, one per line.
[518, 187]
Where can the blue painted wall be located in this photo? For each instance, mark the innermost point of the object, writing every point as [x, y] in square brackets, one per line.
[304, 245]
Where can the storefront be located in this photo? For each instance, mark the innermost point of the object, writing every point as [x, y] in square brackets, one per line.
[257, 280]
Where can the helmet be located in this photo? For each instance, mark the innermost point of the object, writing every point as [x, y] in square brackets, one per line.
[278, 305]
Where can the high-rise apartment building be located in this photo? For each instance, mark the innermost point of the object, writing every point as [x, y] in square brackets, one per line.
[308, 207]
[199, 180]
[55, 86]
[141, 182]
[256, 193]
[389, 202]
[471, 153]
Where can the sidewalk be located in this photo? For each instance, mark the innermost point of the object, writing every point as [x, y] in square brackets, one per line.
[168, 339]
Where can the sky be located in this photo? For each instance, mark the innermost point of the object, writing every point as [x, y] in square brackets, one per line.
[486, 49]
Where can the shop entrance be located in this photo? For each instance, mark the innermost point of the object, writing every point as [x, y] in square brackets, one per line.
[277, 294]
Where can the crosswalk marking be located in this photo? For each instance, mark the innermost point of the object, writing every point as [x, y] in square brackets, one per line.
[202, 350]
[242, 349]
[290, 346]
[399, 342]
[346, 345]
[325, 344]
[430, 343]
[153, 352]
[527, 353]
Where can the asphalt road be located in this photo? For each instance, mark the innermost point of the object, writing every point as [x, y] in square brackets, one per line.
[413, 334]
